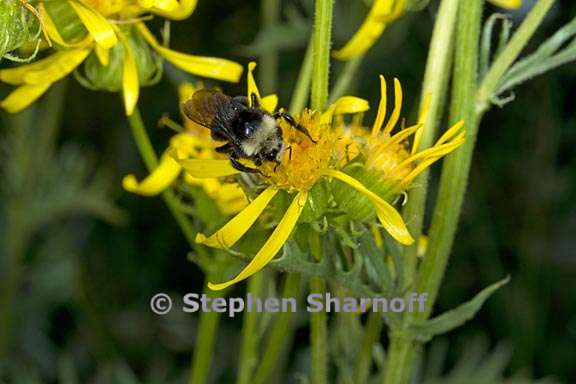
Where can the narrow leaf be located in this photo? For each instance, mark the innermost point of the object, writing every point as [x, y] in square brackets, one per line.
[457, 316]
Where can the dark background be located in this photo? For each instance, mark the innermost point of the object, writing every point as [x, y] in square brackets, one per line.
[82, 302]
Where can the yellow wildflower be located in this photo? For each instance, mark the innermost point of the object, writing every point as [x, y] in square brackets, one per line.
[389, 163]
[107, 27]
[382, 13]
[305, 165]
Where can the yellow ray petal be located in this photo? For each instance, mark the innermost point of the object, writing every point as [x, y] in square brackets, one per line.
[103, 55]
[160, 179]
[15, 76]
[344, 105]
[211, 67]
[130, 84]
[23, 96]
[453, 130]
[171, 9]
[397, 108]
[230, 233]
[507, 4]
[207, 168]
[436, 151]
[381, 13]
[59, 67]
[381, 108]
[269, 102]
[96, 24]
[400, 136]
[439, 152]
[389, 217]
[252, 87]
[272, 245]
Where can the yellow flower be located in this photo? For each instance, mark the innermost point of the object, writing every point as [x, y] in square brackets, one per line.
[194, 142]
[389, 154]
[305, 165]
[110, 27]
[389, 163]
[382, 13]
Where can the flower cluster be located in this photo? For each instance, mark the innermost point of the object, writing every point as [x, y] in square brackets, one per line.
[118, 51]
[387, 166]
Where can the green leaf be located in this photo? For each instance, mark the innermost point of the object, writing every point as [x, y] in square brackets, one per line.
[547, 57]
[455, 317]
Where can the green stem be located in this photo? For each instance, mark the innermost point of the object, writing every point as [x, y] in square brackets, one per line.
[371, 336]
[151, 161]
[345, 78]
[321, 57]
[403, 350]
[319, 335]
[319, 95]
[434, 85]
[456, 165]
[401, 355]
[491, 81]
[269, 11]
[249, 351]
[277, 338]
[302, 88]
[207, 327]
[318, 320]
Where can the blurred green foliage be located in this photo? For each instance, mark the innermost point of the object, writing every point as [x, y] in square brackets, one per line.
[81, 310]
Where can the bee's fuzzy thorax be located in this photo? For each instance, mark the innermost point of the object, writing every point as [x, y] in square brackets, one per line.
[261, 137]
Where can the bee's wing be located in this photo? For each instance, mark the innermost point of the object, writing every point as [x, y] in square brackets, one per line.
[204, 105]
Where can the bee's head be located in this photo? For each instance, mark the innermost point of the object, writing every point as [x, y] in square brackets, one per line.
[274, 150]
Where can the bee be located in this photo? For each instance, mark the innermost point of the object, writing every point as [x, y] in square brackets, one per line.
[249, 131]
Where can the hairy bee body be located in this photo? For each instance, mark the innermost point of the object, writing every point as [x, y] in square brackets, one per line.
[249, 131]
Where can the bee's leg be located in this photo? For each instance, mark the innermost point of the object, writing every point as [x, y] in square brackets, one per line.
[254, 101]
[241, 167]
[290, 120]
[226, 148]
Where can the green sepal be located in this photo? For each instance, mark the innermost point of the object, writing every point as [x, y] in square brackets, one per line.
[66, 20]
[355, 204]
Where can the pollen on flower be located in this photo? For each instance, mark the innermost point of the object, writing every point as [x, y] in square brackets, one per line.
[388, 157]
[303, 161]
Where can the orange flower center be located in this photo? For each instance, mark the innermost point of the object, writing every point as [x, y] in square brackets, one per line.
[303, 160]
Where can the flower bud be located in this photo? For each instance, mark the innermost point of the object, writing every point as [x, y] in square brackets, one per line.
[109, 77]
[19, 27]
[356, 205]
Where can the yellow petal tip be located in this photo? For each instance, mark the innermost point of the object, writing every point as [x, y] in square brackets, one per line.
[200, 238]
[130, 183]
[217, 287]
